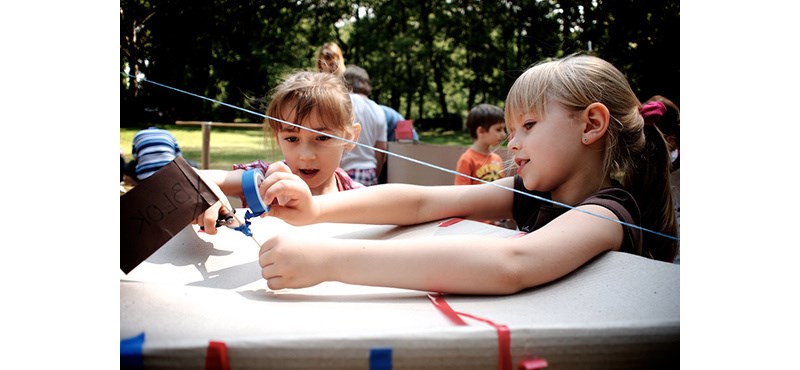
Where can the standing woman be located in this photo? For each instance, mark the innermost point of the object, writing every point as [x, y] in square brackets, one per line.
[330, 59]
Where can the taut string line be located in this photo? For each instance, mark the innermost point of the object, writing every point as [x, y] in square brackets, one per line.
[408, 158]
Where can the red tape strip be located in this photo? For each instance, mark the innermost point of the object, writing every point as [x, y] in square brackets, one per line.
[503, 333]
[441, 304]
[533, 364]
[217, 356]
[450, 222]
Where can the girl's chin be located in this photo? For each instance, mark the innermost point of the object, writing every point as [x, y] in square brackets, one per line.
[529, 184]
[316, 183]
[306, 177]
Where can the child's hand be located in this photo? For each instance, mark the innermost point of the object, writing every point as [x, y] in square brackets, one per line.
[288, 196]
[294, 262]
[219, 210]
[208, 219]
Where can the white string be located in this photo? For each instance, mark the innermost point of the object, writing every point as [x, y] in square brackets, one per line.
[411, 159]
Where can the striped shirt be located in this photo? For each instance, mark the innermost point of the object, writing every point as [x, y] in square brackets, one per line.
[153, 148]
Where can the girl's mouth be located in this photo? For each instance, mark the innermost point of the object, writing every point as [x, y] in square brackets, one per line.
[521, 163]
[308, 173]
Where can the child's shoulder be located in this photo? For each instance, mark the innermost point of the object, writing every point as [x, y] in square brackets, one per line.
[344, 181]
[257, 164]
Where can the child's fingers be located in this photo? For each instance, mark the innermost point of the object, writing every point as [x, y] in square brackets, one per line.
[208, 219]
[269, 271]
[276, 282]
[277, 167]
[265, 247]
[281, 186]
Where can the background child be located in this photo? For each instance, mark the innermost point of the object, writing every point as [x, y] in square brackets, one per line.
[572, 123]
[487, 126]
[152, 148]
[315, 100]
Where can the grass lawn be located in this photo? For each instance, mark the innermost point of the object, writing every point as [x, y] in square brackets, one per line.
[244, 145]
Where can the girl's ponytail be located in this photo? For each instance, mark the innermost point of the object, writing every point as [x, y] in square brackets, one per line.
[648, 179]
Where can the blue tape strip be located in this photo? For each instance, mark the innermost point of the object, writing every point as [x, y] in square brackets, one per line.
[380, 359]
[130, 352]
[250, 181]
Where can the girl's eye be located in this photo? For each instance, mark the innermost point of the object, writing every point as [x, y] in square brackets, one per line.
[323, 138]
[528, 125]
[291, 139]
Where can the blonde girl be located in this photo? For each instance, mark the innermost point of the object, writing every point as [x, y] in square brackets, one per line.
[574, 125]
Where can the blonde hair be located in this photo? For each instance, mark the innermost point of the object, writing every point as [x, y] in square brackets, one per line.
[330, 59]
[638, 152]
[305, 92]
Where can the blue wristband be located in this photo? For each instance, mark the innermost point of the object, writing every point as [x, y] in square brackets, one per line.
[251, 179]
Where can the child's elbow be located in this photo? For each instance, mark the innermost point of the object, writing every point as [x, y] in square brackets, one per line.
[518, 271]
[510, 280]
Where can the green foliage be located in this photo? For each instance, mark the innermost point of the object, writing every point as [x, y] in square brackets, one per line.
[427, 59]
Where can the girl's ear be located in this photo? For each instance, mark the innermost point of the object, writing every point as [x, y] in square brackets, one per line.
[353, 135]
[596, 119]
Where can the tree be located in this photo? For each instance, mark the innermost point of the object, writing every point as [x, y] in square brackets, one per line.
[428, 59]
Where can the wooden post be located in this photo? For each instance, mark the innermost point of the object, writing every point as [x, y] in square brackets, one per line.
[206, 145]
[206, 149]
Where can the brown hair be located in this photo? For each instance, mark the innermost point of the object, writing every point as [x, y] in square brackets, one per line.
[483, 115]
[639, 152]
[330, 59]
[305, 92]
[358, 80]
[670, 121]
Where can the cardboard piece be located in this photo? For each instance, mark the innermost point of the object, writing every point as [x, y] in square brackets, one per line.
[617, 311]
[158, 208]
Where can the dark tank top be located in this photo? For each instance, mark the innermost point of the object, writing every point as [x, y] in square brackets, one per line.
[531, 213]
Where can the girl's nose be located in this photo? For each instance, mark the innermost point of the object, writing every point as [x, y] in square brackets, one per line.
[513, 144]
[307, 152]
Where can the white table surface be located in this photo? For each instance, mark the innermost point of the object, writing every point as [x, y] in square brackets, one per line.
[617, 311]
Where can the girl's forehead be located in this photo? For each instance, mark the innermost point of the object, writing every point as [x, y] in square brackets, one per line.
[519, 116]
[531, 111]
[316, 126]
[314, 120]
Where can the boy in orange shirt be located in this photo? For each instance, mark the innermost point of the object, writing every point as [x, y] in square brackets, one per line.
[487, 126]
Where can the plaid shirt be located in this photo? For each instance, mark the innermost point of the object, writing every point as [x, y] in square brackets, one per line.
[366, 176]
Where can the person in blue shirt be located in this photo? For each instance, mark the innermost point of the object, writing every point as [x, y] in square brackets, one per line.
[392, 117]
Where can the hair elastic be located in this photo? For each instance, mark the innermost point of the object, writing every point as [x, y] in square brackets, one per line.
[652, 112]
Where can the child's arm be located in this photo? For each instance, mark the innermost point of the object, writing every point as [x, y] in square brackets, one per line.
[380, 157]
[230, 182]
[467, 264]
[395, 204]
